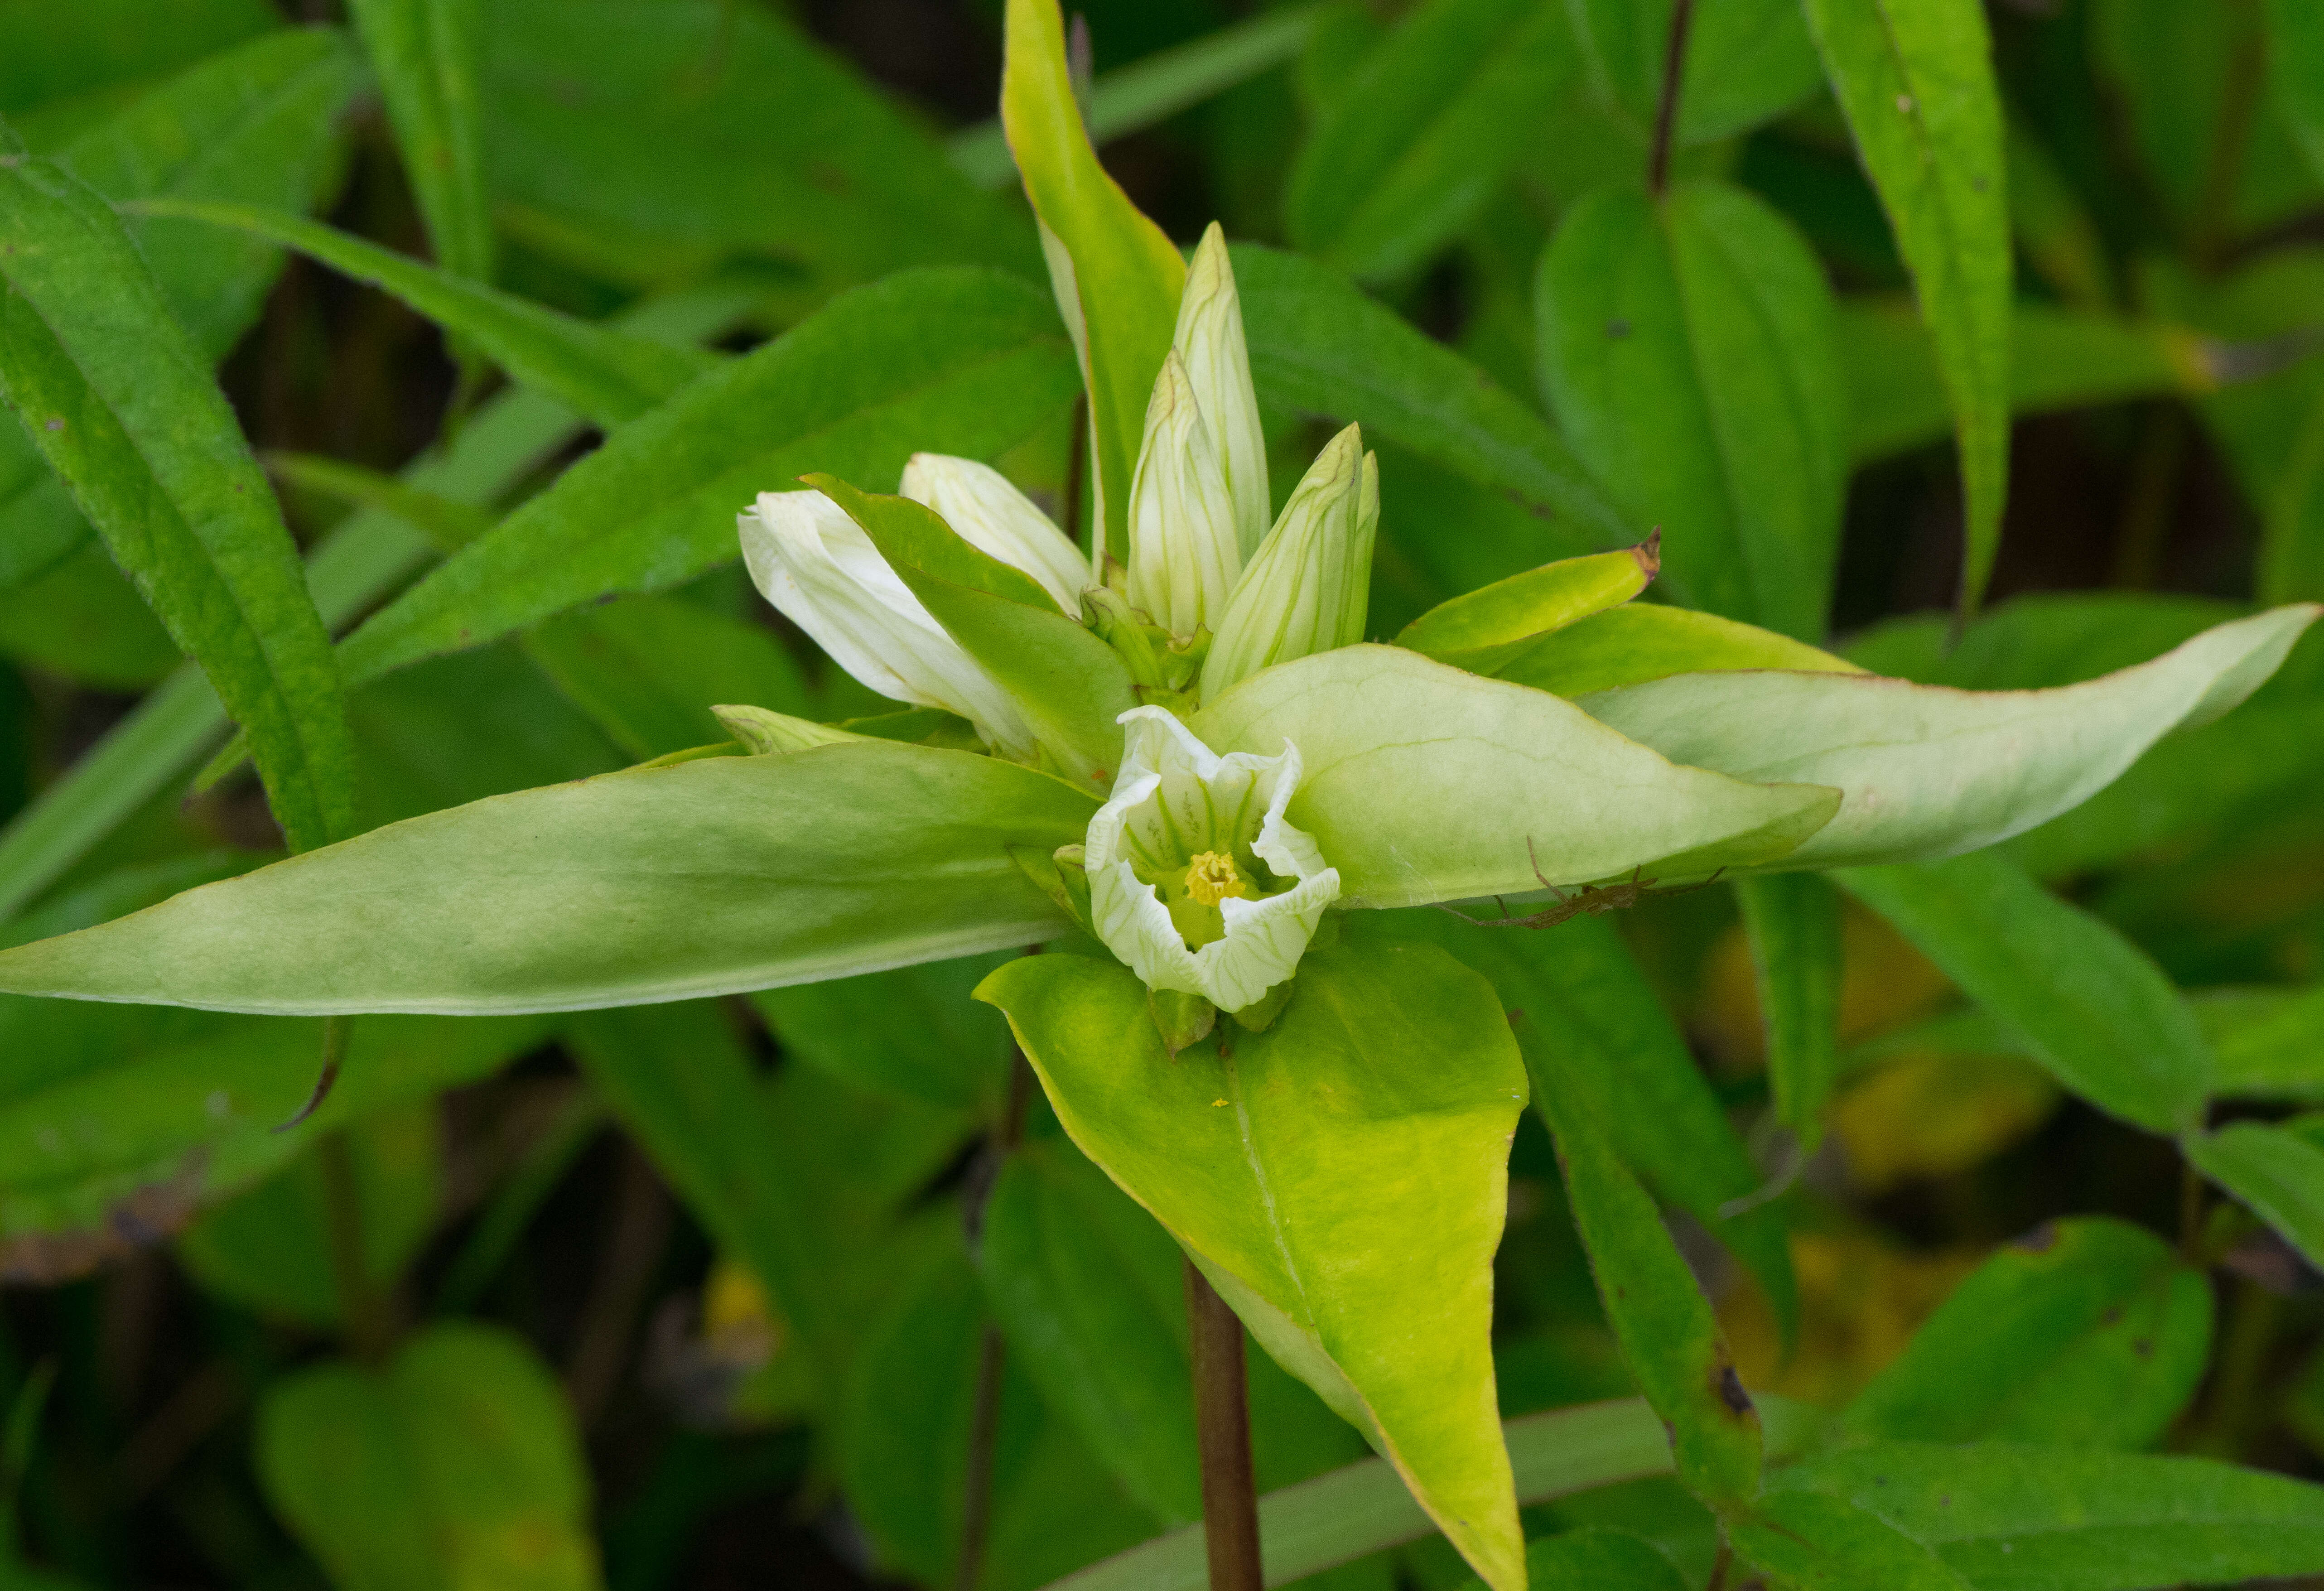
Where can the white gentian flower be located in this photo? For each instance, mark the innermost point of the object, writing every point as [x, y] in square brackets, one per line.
[821, 571]
[1196, 880]
[1308, 589]
[985, 509]
[1183, 552]
[1209, 339]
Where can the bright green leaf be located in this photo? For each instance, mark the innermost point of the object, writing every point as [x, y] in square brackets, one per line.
[1421, 136]
[110, 389]
[2275, 1168]
[2100, 1015]
[1688, 348]
[1484, 629]
[1643, 641]
[1810, 1542]
[2082, 1333]
[427, 55]
[2011, 1518]
[1669, 1338]
[1793, 922]
[956, 361]
[1915, 81]
[1339, 1177]
[608, 375]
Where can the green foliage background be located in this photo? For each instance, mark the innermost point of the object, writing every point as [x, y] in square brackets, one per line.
[682, 1295]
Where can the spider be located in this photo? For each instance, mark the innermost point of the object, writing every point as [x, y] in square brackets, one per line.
[1596, 899]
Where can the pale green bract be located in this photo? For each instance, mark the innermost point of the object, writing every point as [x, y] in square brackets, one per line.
[1197, 881]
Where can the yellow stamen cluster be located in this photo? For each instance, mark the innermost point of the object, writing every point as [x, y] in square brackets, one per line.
[1210, 878]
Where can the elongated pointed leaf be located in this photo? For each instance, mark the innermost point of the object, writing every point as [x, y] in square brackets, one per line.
[2013, 1518]
[1417, 142]
[1669, 1337]
[608, 375]
[427, 55]
[1914, 79]
[1340, 1178]
[1384, 734]
[952, 361]
[1931, 772]
[2082, 1333]
[111, 390]
[1793, 922]
[2276, 1168]
[1642, 642]
[260, 124]
[1484, 629]
[1118, 279]
[1319, 346]
[2094, 1008]
[705, 877]
[1806, 1541]
[1688, 348]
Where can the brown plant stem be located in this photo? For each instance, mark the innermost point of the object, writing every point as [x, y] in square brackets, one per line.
[1666, 111]
[1720, 1567]
[1222, 1434]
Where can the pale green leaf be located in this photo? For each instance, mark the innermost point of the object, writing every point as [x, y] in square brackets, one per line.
[1340, 1178]
[1914, 79]
[1931, 772]
[708, 876]
[1383, 733]
[112, 390]
[1117, 278]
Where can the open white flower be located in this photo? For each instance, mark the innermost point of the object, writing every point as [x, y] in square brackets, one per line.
[823, 574]
[1196, 880]
[988, 512]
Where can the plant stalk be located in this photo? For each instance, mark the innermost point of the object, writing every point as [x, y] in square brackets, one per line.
[1666, 111]
[1222, 1434]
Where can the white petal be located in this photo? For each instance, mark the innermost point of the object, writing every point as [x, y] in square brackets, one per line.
[985, 509]
[821, 571]
[1170, 792]
[1210, 338]
[1184, 552]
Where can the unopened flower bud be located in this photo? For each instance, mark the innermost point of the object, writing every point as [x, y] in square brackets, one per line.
[1183, 555]
[1308, 588]
[1209, 339]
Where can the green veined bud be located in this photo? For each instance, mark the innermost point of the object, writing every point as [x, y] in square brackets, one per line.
[1308, 589]
[1183, 555]
[1209, 339]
